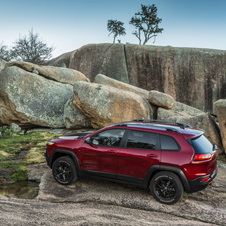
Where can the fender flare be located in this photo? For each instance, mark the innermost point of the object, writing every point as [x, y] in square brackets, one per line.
[65, 152]
[176, 170]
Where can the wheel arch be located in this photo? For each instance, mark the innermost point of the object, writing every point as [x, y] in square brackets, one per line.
[157, 168]
[57, 153]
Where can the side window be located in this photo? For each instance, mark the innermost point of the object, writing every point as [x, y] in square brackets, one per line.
[169, 143]
[141, 140]
[111, 138]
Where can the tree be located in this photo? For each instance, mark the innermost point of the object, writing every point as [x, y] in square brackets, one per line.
[116, 28]
[5, 53]
[146, 22]
[31, 49]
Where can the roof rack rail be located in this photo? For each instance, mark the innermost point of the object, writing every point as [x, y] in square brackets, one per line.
[129, 124]
[182, 125]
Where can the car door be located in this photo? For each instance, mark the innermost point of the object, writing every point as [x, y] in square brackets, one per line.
[99, 154]
[140, 152]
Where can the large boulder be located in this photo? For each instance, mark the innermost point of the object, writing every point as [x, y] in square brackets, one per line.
[106, 105]
[59, 74]
[201, 121]
[94, 59]
[73, 117]
[163, 114]
[183, 73]
[105, 80]
[2, 64]
[220, 108]
[61, 61]
[161, 99]
[28, 99]
[186, 109]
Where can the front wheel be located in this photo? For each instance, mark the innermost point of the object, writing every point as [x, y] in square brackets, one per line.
[64, 171]
[166, 187]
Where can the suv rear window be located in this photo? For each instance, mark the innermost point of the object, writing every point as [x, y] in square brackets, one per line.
[201, 145]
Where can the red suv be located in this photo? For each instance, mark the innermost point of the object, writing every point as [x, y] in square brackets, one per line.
[169, 157]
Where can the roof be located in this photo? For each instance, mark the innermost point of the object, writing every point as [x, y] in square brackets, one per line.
[161, 125]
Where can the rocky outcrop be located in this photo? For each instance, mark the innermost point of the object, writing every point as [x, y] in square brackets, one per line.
[96, 59]
[179, 110]
[202, 121]
[59, 74]
[192, 76]
[201, 211]
[105, 80]
[73, 117]
[28, 99]
[163, 114]
[220, 108]
[183, 108]
[2, 64]
[105, 105]
[62, 60]
[161, 99]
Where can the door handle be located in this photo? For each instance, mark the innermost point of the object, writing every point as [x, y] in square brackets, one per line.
[112, 151]
[152, 155]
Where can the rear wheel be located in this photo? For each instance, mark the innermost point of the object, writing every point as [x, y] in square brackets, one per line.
[166, 187]
[64, 171]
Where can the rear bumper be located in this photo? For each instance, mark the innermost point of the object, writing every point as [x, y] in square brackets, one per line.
[198, 185]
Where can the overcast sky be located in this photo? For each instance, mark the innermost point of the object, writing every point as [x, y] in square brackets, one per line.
[70, 24]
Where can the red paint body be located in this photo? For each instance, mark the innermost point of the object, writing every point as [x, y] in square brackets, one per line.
[135, 163]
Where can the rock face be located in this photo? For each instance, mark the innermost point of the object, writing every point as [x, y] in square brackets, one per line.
[220, 108]
[105, 105]
[28, 99]
[73, 117]
[183, 108]
[103, 79]
[202, 121]
[161, 99]
[163, 114]
[59, 74]
[96, 59]
[192, 76]
[2, 64]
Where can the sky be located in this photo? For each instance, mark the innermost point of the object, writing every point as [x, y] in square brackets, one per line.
[70, 24]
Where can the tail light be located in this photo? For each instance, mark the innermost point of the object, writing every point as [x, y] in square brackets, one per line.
[202, 157]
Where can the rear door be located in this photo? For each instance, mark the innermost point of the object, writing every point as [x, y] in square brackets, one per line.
[140, 152]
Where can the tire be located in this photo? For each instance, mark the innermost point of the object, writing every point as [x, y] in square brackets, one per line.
[64, 171]
[166, 187]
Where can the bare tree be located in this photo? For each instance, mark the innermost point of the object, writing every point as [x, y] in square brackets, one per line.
[5, 53]
[31, 49]
[116, 28]
[146, 22]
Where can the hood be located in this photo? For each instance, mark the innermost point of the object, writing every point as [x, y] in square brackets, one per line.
[75, 136]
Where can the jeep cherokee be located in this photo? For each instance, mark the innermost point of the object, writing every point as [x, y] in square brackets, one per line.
[168, 157]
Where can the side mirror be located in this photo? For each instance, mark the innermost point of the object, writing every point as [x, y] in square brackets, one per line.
[88, 140]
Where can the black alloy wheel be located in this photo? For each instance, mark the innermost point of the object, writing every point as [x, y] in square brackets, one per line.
[64, 171]
[166, 187]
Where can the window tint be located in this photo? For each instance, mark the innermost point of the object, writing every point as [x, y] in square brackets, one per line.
[168, 143]
[201, 145]
[141, 140]
[110, 138]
